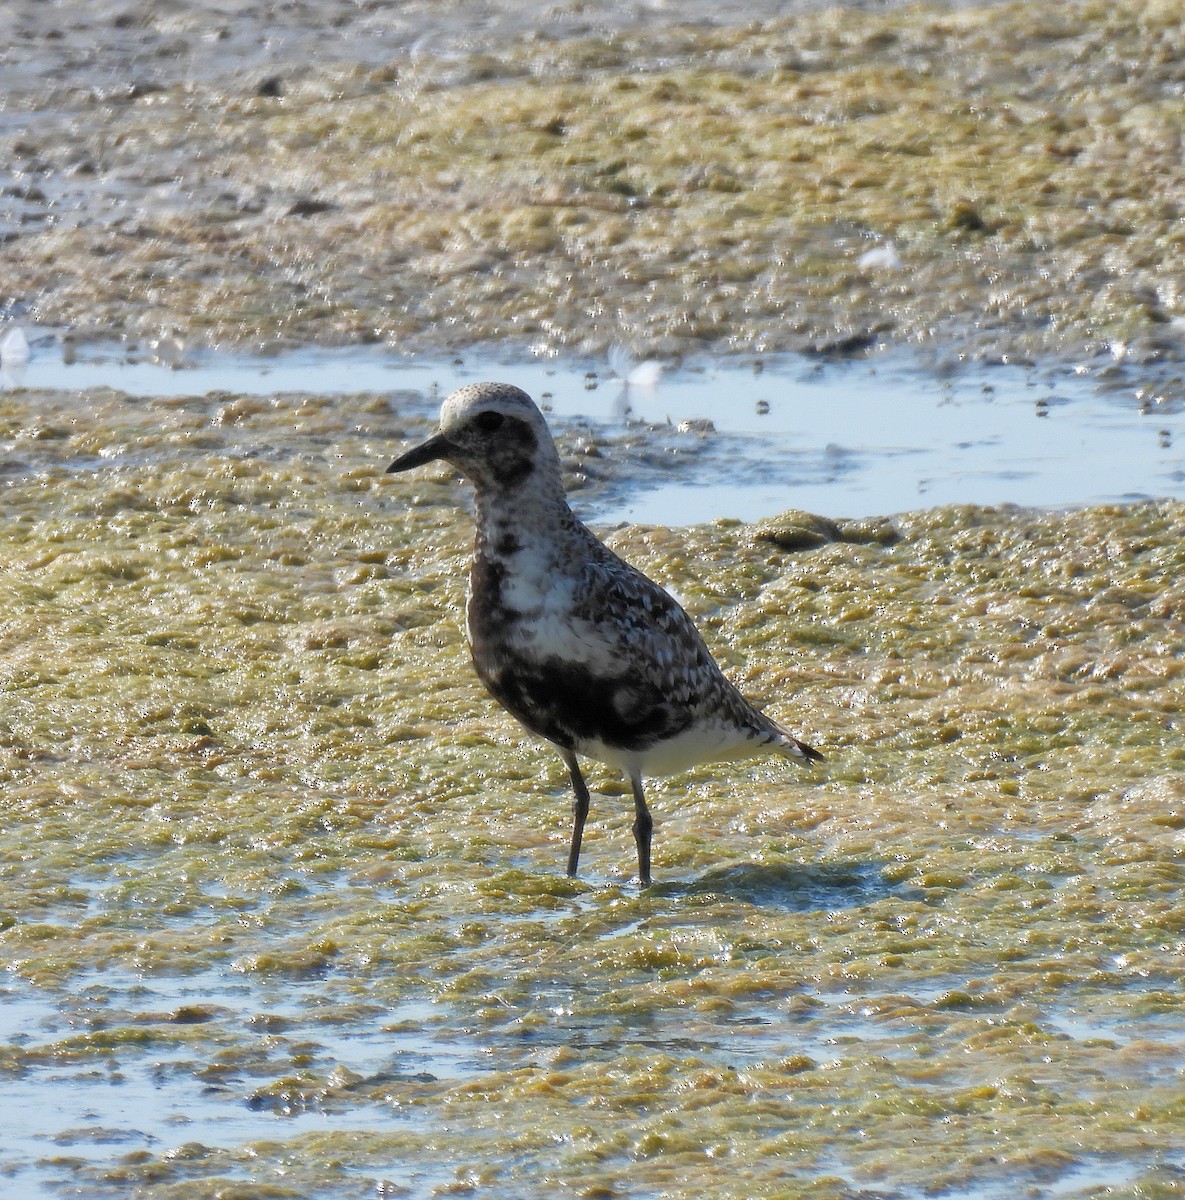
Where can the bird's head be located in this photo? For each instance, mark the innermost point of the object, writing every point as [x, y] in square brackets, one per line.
[493, 433]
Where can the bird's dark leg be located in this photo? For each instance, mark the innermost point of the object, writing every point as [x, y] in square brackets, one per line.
[643, 826]
[579, 809]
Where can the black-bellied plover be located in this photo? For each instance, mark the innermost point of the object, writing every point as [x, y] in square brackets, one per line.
[582, 648]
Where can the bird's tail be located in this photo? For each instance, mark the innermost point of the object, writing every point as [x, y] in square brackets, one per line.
[793, 748]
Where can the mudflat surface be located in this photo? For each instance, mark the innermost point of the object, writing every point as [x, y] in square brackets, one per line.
[282, 904]
[249, 175]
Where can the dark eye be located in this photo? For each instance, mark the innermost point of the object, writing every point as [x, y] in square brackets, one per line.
[487, 422]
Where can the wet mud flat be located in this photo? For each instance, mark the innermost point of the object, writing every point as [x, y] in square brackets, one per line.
[282, 910]
[239, 178]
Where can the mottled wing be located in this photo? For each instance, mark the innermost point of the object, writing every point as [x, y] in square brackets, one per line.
[665, 665]
[644, 630]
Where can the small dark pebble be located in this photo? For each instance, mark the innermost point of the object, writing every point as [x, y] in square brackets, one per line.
[307, 206]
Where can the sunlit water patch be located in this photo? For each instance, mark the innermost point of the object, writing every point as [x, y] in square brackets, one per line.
[179, 1066]
[842, 438]
[1057, 1178]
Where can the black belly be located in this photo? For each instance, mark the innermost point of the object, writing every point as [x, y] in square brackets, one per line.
[568, 704]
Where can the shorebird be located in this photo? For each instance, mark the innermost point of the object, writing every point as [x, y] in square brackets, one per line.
[579, 646]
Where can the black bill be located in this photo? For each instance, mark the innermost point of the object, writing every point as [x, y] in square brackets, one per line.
[426, 452]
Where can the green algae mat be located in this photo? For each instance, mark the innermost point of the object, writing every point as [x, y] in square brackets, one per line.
[282, 894]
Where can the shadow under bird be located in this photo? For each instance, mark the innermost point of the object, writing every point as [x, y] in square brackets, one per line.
[578, 645]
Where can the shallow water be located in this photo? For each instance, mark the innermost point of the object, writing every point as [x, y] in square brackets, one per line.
[163, 1096]
[119, 1070]
[849, 439]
